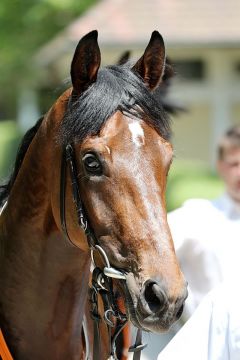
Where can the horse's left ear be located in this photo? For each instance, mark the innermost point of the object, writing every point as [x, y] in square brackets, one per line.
[85, 63]
[151, 65]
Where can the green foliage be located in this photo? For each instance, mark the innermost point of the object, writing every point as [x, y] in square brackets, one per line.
[191, 180]
[9, 140]
[25, 25]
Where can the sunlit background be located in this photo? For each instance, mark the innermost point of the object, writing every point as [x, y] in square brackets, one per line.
[202, 39]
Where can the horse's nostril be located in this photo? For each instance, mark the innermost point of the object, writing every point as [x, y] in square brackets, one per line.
[154, 297]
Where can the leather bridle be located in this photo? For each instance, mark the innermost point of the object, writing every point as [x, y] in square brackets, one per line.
[101, 278]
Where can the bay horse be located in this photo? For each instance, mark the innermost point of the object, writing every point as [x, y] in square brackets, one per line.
[90, 179]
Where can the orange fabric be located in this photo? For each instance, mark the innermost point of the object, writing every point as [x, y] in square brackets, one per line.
[125, 332]
[4, 352]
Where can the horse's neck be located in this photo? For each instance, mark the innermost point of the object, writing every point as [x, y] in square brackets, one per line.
[43, 299]
[44, 279]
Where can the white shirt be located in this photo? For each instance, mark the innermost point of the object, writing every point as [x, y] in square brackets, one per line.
[206, 235]
[213, 332]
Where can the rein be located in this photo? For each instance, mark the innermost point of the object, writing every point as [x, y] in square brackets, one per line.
[101, 279]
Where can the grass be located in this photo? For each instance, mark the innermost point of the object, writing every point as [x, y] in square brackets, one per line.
[191, 180]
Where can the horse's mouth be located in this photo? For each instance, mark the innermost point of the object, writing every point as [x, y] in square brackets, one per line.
[147, 322]
[131, 311]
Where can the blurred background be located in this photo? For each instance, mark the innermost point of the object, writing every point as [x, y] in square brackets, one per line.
[202, 40]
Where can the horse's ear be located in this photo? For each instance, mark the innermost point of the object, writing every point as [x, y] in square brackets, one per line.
[85, 62]
[151, 65]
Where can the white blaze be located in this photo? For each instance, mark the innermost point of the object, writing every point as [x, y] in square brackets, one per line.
[137, 133]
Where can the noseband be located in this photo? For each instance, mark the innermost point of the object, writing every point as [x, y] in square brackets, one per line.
[101, 279]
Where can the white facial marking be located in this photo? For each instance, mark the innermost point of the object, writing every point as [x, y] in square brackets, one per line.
[108, 150]
[137, 133]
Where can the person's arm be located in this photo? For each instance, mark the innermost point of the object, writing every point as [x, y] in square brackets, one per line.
[192, 242]
[213, 332]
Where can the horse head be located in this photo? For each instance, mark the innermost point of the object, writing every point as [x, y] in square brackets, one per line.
[120, 137]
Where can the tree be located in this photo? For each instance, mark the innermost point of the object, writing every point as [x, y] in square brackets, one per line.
[25, 25]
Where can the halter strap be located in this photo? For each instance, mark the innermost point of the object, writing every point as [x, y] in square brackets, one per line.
[138, 346]
[3, 208]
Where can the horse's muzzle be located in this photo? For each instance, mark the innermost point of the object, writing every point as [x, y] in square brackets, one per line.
[153, 310]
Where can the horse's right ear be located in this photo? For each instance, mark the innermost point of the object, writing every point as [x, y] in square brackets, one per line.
[85, 62]
[152, 64]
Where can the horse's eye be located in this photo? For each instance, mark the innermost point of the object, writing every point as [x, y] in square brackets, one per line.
[92, 164]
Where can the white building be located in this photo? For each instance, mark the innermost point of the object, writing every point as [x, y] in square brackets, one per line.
[203, 40]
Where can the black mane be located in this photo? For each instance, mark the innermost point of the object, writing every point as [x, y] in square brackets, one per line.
[116, 88]
[26, 141]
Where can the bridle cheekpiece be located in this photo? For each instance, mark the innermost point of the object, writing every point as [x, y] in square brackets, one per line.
[101, 279]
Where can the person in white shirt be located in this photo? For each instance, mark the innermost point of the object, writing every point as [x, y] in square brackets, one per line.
[213, 331]
[206, 236]
[206, 233]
